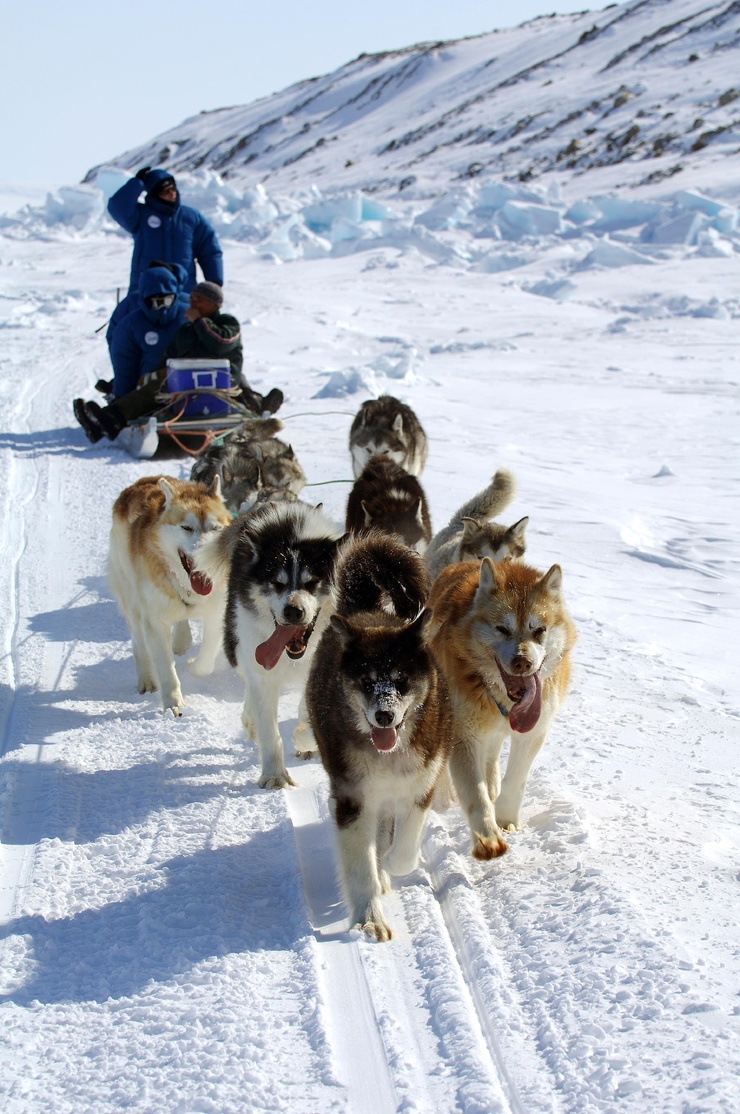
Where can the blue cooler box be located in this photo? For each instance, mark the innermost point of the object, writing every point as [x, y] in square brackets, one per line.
[193, 375]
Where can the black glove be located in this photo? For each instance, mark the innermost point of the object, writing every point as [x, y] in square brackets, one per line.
[141, 174]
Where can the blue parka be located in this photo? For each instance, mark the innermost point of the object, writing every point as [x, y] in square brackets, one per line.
[165, 230]
[141, 338]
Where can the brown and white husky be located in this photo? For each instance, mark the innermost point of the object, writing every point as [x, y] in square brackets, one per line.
[157, 523]
[503, 638]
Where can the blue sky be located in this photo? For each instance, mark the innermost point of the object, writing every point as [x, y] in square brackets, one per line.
[83, 81]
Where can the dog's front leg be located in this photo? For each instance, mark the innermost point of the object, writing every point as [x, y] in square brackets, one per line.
[522, 753]
[260, 719]
[357, 828]
[158, 636]
[468, 771]
[403, 856]
[146, 680]
[304, 739]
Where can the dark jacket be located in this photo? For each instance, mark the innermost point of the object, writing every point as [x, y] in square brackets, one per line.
[218, 335]
[141, 338]
[165, 230]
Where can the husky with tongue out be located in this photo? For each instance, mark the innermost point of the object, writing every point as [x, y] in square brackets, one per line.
[503, 638]
[381, 716]
[277, 560]
[157, 523]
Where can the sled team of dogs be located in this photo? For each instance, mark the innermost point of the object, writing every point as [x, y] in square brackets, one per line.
[416, 654]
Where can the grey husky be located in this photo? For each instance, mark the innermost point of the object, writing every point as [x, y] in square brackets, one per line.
[387, 426]
[253, 465]
[382, 717]
[469, 536]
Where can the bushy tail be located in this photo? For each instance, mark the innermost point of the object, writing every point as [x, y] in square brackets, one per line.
[377, 572]
[212, 555]
[491, 501]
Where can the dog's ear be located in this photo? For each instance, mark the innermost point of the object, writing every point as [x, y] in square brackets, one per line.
[552, 581]
[516, 532]
[397, 426]
[489, 577]
[215, 488]
[471, 529]
[368, 516]
[169, 494]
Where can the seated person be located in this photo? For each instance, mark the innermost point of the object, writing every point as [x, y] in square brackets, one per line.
[143, 335]
[206, 332]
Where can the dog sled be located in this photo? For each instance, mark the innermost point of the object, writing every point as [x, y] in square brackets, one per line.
[196, 406]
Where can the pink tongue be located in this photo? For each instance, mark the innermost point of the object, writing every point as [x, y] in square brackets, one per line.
[526, 711]
[384, 738]
[200, 583]
[268, 653]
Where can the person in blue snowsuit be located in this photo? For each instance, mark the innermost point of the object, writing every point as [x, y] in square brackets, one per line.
[162, 228]
[142, 336]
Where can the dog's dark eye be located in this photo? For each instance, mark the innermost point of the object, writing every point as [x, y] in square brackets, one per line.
[538, 633]
[504, 630]
[188, 529]
[311, 584]
[367, 683]
[402, 685]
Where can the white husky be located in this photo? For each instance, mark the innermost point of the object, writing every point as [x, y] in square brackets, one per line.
[157, 523]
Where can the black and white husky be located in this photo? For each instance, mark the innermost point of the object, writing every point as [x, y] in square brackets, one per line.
[382, 718]
[277, 560]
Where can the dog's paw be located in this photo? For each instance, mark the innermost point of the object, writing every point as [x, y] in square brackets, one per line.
[305, 742]
[147, 684]
[276, 781]
[509, 826]
[375, 929]
[485, 849]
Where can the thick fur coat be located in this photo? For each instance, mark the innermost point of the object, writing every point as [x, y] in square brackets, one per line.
[387, 427]
[276, 561]
[470, 536]
[503, 639]
[157, 524]
[382, 718]
[386, 496]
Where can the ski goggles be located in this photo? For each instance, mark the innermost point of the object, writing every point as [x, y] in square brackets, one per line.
[160, 301]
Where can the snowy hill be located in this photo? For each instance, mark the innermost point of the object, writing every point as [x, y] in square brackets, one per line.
[650, 84]
[172, 938]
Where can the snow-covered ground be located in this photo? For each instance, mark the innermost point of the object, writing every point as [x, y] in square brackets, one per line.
[172, 938]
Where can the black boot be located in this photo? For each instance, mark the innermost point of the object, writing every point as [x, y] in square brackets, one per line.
[252, 400]
[273, 400]
[92, 429]
[109, 419]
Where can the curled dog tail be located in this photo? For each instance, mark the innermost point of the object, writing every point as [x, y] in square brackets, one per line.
[375, 571]
[491, 501]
